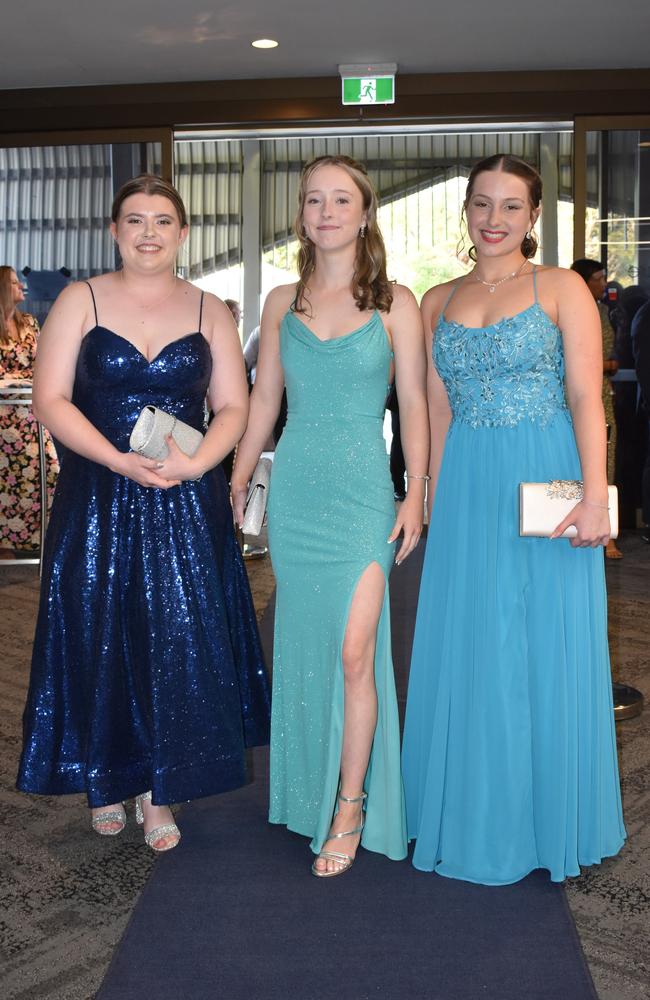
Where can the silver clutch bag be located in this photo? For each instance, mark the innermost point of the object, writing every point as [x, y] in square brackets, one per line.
[543, 505]
[258, 490]
[152, 427]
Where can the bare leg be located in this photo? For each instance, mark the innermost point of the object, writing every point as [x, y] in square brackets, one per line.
[155, 816]
[360, 708]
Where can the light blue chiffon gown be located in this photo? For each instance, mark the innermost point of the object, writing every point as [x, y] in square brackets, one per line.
[509, 755]
[331, 511]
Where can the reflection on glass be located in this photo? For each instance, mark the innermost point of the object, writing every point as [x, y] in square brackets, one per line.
[618, 204]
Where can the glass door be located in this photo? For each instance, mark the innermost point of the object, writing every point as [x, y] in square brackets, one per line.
[612, 195]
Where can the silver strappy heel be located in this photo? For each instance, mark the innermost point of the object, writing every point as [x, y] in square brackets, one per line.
[109, 816]
[344, 860]
[158, 832]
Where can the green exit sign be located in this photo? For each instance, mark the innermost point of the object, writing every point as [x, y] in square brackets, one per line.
[368, 89]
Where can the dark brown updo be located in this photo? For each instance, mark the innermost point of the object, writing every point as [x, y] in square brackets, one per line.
[509, 164]
[149, 184]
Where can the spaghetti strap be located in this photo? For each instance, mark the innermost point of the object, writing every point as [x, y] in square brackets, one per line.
[534, 267]
[94, 303]
[450, 297]
[201, 311]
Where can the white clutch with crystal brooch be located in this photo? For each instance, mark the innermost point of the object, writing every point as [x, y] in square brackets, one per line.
[543, 505]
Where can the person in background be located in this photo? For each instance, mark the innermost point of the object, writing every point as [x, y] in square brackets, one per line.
[20, 501]
[593, 273]
[235, 309]
[641, 348]
[630, 421]
[148, 677]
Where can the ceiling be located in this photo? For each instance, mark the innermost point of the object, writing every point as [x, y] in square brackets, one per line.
[88, 42]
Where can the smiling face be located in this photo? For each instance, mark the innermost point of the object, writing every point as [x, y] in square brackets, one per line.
[499, 213]
[148, 232]
[333, 210]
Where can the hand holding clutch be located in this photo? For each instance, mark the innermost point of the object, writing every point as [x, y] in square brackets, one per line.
[255, 508]
[543, 506]
[150, 431]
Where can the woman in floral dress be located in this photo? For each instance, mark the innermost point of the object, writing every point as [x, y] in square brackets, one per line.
[20, 506]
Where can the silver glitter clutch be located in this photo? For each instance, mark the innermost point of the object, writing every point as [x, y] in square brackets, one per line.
[152, 427]
[543, 505]
[258, 490]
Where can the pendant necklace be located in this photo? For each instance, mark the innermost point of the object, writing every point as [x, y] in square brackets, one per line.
[492, 285]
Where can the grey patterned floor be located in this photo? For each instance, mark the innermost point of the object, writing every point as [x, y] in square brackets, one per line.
[611, 903]
[66, 895]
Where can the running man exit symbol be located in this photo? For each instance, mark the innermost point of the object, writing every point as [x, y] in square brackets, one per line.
[368, 89]
[368, 92]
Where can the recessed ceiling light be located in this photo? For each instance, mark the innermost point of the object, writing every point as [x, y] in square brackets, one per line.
[265, 43]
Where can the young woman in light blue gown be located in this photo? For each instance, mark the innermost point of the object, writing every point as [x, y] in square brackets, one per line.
[335, 338]
[509, 755]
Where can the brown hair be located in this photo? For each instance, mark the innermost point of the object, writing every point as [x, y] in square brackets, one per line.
[7, 305]
[509, 164]
[370, 285]
[149, 184]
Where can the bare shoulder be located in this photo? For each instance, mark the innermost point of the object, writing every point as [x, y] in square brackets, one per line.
[73, 311]
[214, 308]
[280, 298]
[434, 299]
[561, 279]
[77, 293]
[277, 303]
[403, 297]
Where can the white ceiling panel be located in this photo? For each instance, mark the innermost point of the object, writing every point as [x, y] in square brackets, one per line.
[89, 42]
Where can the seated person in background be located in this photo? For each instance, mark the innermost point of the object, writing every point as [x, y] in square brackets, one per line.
[20, 503]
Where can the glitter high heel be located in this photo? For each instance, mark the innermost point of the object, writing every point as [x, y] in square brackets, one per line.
[109, 816]
[344, 860]
[158, 832]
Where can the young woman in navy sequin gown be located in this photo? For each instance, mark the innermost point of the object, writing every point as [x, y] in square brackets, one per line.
[509, 746]
[147, 672]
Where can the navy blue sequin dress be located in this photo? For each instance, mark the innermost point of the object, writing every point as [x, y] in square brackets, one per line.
[147, 669]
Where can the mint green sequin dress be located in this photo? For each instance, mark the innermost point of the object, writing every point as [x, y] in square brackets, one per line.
[331, 511]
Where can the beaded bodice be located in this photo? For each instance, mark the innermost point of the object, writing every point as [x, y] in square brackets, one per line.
[500, 374]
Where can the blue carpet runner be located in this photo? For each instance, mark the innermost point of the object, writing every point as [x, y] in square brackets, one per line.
[234, 914]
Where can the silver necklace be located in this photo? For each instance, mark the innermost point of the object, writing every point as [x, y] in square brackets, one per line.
[492, 285]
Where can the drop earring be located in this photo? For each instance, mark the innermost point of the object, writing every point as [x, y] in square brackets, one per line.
[362, 232]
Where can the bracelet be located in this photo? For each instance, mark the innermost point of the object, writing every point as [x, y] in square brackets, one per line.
[590, 503]
[425, 478]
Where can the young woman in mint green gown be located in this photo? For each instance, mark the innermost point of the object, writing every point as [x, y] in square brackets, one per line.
[509, 746]
[336, 338]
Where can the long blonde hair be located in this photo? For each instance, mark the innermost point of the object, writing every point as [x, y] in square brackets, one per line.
[370, 285]
[7, 306]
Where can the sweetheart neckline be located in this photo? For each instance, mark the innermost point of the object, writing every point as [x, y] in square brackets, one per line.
[498, 322]
[114, 333]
